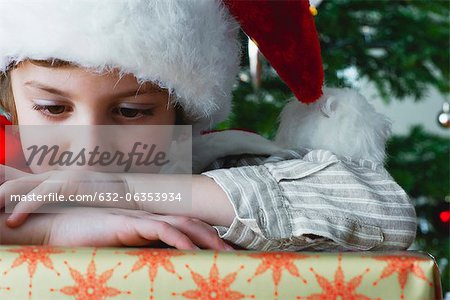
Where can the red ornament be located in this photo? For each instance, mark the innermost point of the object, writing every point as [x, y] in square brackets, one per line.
[3, 122]
[444, 216]
[16, 158]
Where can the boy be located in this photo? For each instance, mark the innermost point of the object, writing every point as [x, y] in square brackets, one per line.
[333, 195]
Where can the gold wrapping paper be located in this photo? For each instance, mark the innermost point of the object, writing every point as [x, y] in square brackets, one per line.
[39, 272]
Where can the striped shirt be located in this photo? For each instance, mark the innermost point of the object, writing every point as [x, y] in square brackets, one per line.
[306, 199]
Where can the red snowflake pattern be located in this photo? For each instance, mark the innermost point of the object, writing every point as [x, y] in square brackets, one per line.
[213, 287]
[339, 288]
[91, 286]
[402, 265]
[32, 256]
[153, 259]
[277, 262]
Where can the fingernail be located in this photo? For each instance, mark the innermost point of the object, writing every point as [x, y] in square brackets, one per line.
[228, 248]
[10, 221]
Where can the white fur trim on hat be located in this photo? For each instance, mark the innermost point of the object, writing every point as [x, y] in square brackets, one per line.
[341, 121]
[189, 47]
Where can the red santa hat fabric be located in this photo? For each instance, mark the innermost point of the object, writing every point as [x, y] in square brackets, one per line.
[285, 33]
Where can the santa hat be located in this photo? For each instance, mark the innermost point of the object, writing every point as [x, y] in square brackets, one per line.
[190, 47]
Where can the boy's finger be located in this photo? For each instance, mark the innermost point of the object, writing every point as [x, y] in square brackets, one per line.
[22, 209]
[173, 237]
[16, 219]
[13, 190]
[201, 233]
[12, 173]
[204, 237]
[166, 233]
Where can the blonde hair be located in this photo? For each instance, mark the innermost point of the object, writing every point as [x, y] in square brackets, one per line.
[7, 98]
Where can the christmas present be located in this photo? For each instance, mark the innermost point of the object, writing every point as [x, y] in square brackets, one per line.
[40, 272]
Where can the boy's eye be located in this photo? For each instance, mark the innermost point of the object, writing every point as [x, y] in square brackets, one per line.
[128, 112]
[131, 113]
[56, 109]
[50, 109]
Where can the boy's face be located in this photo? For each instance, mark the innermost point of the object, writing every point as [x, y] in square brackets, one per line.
[74, 96]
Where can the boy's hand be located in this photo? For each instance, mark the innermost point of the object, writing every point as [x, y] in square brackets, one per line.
[61, 182]
[100, 227]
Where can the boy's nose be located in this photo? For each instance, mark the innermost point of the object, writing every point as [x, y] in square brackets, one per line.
[92, 143]
[86, 137]
[90, 116]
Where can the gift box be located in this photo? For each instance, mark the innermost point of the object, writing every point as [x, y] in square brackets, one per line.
[42, 272]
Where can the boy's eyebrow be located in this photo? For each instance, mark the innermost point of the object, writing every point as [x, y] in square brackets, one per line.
[47, 88]
[145, 88]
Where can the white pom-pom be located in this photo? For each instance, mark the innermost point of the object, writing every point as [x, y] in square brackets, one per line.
[341, 121]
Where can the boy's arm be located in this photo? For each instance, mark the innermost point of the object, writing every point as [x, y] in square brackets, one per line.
[298, 199]
[116, 190]
[210, 203]
[303, 199]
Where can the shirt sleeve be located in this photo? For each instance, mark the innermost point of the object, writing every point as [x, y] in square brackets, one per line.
[313, 200]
